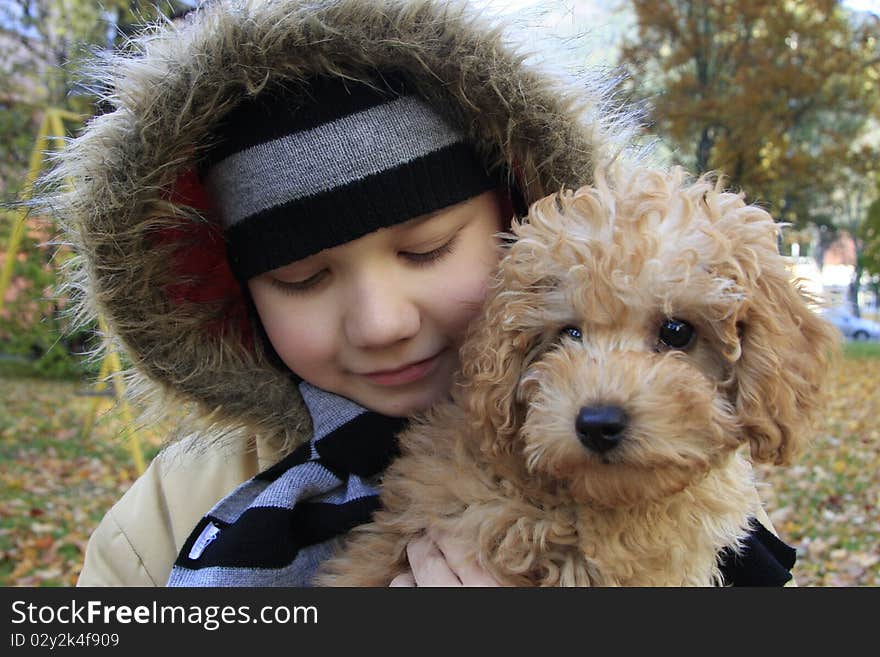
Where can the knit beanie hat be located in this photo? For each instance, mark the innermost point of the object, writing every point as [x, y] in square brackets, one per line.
[296, 172]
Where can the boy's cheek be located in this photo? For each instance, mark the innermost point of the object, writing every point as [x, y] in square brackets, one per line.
[304, 347]
[466, 298]
[469, 288]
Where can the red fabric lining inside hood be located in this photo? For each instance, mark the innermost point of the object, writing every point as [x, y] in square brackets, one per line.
[199, 261]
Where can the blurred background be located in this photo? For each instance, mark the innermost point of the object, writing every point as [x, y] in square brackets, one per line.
[781, 96]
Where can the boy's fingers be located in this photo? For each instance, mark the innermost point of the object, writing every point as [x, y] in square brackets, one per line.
[428, 565]
[404, 579]
[468, 572]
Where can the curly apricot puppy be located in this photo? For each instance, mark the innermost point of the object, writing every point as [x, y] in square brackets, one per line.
[636, 336]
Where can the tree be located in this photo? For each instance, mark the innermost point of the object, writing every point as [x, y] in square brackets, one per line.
[773, 94]
[43, 44]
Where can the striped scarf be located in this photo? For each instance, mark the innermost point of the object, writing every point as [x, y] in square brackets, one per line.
[277, 528]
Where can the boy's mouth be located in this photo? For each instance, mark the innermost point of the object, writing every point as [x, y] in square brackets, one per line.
[406, 374]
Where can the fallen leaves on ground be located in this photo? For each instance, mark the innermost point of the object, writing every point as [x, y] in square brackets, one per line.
[827, 505]
[55, 483]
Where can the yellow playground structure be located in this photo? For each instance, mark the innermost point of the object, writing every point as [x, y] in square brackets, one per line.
[51, 137]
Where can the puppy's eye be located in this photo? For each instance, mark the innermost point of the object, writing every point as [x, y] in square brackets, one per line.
[676, 334]
[573, 332]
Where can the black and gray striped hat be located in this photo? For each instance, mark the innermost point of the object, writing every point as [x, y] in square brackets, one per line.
[292, 174]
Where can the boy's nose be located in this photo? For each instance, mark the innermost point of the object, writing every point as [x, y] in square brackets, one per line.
[381, 316]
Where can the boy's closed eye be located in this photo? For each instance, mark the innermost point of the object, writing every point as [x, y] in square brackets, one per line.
[293, 283]
[300, 285]
[420, 257]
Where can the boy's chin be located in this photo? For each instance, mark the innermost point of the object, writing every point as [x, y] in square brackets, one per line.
[401, 403]
[404, 401]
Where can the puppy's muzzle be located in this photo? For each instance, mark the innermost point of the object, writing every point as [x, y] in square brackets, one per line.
[600, 428]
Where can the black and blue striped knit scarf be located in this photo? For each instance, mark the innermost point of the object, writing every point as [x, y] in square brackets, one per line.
[277, 528]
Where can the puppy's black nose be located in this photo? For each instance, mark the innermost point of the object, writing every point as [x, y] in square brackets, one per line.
[600, 428]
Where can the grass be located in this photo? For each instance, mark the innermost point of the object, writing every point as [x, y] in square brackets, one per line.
[858, 350]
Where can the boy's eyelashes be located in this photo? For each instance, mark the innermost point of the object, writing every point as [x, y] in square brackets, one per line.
[427, 257]
[293, 287]
[417, 258]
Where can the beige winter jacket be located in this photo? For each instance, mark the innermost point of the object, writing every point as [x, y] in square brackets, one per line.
[140, 537]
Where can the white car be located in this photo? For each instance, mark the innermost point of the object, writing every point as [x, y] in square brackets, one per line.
[854, 327]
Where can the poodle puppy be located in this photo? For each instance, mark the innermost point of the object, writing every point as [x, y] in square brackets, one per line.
[637, 335]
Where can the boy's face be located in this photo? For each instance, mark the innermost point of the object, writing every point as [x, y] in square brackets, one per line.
[379, 320]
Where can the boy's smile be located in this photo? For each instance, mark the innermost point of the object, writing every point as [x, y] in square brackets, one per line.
[406, 373]
[379, 319]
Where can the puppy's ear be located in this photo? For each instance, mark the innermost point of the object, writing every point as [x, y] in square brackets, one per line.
[491, 364]
[786, 348]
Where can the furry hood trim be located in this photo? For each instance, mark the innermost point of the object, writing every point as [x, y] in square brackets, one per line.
[150, 257]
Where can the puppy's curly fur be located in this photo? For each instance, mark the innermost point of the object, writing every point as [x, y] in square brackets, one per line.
[592, 309]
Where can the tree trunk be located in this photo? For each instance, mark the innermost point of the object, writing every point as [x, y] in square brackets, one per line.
[854, 290]
[704, 150]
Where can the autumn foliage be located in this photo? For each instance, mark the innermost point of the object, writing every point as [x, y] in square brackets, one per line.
[773, 94]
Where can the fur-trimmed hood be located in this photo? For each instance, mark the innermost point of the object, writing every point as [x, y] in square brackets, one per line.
[150, 257]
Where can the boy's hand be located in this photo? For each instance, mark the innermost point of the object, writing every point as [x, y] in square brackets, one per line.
[435, 559]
